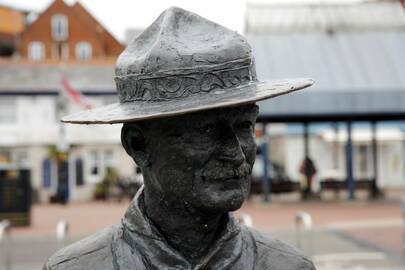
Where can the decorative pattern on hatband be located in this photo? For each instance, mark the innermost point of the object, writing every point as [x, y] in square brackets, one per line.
[163, 88]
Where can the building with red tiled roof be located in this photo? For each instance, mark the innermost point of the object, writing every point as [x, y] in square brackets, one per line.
[65, 49]
[67, 33]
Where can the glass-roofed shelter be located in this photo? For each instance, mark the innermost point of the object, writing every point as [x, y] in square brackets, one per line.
[354, 52]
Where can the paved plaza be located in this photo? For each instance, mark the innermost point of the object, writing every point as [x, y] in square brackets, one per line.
[355, 235]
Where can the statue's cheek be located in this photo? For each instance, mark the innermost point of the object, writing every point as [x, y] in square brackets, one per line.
[249, 148]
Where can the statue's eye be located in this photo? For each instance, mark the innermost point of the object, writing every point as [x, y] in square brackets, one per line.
[245, 125]
[175, 133]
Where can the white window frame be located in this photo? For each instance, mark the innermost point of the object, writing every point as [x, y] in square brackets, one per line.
[100, 160]
[59, 27]
[83, 50]
[21, 158]
[95, 163]
[36, 50]
[109, 158]
[8, 110]
[5, 157]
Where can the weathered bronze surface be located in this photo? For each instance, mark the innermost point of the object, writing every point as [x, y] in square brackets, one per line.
[196, 166]
[184, 63]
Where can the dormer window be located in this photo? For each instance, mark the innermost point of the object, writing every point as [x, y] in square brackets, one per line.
[83, 50]
[59, 24]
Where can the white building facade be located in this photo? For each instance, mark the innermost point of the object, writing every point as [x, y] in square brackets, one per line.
[31, 131]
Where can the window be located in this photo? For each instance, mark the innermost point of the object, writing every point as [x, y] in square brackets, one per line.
[36, 50]
[79, 172]
[109, 159]
[5, 156]
[94, 162]
[97, 164]
[18, 157]
[100, 160]
[83, 50]
[8, 110]
[59, 24]
[46, 173]
[21, 158]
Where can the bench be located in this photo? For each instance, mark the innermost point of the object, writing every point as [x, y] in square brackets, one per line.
[336, 185]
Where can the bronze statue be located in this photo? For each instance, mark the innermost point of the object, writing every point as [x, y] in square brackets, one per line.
[187, 89]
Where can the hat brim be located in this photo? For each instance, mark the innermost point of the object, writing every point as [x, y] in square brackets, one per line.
[142, 110]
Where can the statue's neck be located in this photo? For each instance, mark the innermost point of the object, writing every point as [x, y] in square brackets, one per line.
[187, 230]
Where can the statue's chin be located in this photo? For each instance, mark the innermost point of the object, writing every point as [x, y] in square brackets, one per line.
[221, 202]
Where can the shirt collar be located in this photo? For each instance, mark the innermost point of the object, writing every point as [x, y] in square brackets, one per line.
[141, 235]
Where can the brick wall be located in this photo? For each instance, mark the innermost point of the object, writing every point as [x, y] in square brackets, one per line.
[79, 30]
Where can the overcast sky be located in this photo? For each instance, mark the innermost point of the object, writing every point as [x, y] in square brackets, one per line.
[119, 15]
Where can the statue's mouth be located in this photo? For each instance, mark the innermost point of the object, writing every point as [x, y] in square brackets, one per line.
[231, 178]
[230, 174]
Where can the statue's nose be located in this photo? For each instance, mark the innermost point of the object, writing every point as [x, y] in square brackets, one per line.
[229, 148]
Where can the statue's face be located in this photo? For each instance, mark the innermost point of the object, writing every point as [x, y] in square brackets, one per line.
[203, 159]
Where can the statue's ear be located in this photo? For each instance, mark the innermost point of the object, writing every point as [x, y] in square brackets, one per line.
[134, 143]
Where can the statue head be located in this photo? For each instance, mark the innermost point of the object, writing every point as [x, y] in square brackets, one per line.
[202, 159]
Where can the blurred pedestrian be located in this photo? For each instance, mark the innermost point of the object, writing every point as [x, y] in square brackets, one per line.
[308, 171]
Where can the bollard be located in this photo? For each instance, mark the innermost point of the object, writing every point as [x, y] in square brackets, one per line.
[246, 220]
[62, 229]
[4, 228]
[402, 204]
[5, 244]
[303, 226]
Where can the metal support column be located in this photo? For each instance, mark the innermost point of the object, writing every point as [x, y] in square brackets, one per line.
[306, 140]
[349, 162]
[335, 150]
[266, 162]
[306, 193]
[374, 188]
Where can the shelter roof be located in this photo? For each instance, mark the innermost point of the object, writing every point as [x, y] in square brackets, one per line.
[284, 17]
[354, 73]
[340, 61]
[357, 73]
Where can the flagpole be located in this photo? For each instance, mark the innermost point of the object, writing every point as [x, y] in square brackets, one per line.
[62, 148]
[67, 93]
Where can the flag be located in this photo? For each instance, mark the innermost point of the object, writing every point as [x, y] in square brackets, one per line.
[74, 94]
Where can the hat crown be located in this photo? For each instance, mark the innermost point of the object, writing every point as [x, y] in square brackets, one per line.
[182, 54]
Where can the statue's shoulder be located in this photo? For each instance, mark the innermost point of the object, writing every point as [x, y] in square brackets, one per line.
[275, 254]
[93, 252]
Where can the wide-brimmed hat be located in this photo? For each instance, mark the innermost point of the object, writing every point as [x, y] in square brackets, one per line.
[184, 63]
